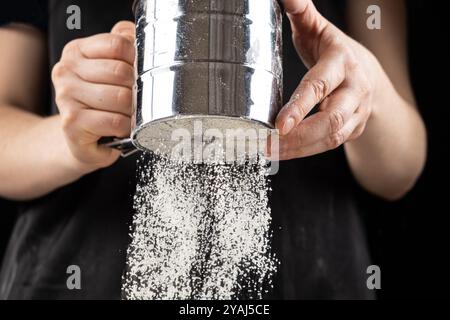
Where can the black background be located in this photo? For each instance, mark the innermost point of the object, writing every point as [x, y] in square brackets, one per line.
[409, 239]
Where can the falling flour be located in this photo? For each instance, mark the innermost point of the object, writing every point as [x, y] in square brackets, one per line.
[200, 231]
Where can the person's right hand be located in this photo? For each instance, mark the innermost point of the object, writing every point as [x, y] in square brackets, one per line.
[93, 84]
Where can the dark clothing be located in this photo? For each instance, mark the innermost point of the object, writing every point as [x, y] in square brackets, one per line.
[318, 235]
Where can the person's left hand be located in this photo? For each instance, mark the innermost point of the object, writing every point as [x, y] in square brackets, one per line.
[343, 78]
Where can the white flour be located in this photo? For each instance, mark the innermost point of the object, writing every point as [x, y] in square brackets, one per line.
[199, 232]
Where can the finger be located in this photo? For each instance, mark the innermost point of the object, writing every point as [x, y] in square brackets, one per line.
[335, 112]
[105, 124]
[84, 144]
[104, 97]
[359, 130]
[72, 88]
[108, 46]
[317, 84]
[304, 17]
[290, 151]
[125, 28]
[310, 30]
[86, 126]
[102, 71]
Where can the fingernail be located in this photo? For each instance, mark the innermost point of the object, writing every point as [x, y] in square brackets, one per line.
[288, 126]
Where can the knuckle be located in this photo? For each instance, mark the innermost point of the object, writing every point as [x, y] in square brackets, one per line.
[367, 87]
[337, 121]
[116, 121]
[320, 87]
[70, 47]
[124, 97]
[336, 140]
[62, 91]
[299, 109]
[353, 64]
[59, 71]
[117, 45]
[350, 59]
[122, 71]
[348, 53]
[119, 125]
[119, 25]
[63, 96]
[364, 86]
[296, 106]
[345, 51]
[338, 42]
[68, 119]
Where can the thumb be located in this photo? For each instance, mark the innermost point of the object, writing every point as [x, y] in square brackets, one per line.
[125, 28]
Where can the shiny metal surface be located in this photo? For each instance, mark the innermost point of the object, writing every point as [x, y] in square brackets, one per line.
[213, 58]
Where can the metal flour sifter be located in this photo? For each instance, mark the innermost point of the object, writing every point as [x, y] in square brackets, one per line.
[217, 62]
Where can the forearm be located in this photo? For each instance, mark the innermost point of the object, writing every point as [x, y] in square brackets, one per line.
[390, 155]
[34, 157]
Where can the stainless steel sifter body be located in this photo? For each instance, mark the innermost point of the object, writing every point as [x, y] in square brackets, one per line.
[216, 61]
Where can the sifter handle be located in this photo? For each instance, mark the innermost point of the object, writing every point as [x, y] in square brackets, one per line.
[126, 146]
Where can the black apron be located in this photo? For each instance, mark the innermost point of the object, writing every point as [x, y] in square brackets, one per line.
[318, 233]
